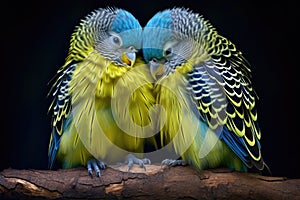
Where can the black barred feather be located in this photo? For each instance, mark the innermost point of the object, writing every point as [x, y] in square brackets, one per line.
[86, 35]
[221, 83]
[61, 108]
[84, 86]
[61, 103]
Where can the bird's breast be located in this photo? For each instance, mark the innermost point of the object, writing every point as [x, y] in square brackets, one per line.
[95, 76]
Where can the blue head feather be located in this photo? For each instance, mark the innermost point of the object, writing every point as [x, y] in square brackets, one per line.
[156, 33]
[129, 28]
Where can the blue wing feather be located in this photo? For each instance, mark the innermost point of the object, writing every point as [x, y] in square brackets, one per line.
[60, 108]
[208, 91]
[54, 144]
[236, 144]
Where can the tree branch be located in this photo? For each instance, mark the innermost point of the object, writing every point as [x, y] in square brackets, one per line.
[180, 182]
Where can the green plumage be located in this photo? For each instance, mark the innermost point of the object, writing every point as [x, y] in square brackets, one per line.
[88, 94]
[211, 104]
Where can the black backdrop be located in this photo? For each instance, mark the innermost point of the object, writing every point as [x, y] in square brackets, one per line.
[35, 40]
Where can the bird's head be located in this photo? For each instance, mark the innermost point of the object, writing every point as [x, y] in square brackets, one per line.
[171, 39]
[114, 33]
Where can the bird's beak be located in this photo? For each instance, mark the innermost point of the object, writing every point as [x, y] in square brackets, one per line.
[129, 56]
[157, 69]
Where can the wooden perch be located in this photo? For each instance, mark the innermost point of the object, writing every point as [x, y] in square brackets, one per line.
[180, 182]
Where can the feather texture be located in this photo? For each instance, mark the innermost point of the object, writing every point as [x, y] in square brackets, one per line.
[90, 118]
[206, 80]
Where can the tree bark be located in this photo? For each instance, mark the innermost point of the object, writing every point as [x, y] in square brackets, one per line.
[181, 182]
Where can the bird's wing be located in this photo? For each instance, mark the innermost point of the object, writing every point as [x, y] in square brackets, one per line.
[60, 108]
[223, 93]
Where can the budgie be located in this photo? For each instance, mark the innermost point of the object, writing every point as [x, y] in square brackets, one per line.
[91, 122]
[204, 84]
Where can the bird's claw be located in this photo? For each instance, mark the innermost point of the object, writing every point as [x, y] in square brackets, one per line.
[172, 163]
[96, 165]
[131, 159]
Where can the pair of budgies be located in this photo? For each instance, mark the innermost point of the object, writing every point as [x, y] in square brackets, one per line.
[104, 95]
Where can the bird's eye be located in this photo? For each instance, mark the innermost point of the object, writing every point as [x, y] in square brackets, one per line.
[168, 49]
[116, 39]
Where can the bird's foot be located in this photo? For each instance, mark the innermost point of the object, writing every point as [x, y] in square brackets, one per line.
[131, 159]
[172, 163]
[96, 165]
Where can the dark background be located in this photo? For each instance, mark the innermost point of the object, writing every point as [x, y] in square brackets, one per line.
[35, 40]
